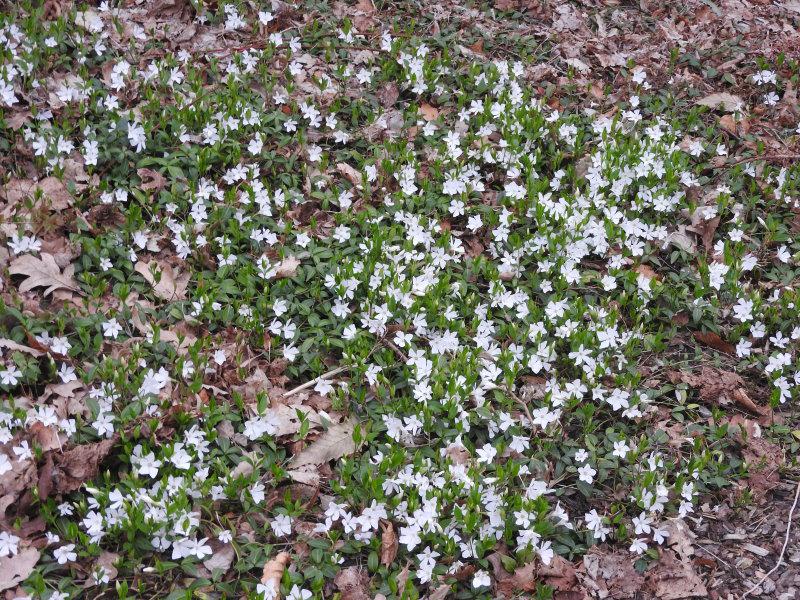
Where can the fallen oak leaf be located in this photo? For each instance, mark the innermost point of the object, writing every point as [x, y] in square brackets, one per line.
[706, 228]
[440, 593]
[273, 572]
[349, 173]
[559, 574]
[221, 559]
[607, 574]
[718, 386]
[388, 94]
[105, 562]
[43, 272]
[524, 578]
[51, 188]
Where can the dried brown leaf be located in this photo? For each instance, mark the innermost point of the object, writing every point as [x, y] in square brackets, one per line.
[389, 545]
[353, 583]
[728, 102]
[273, 571]
[288, 267]
[43, 272]
[80, 464]
[15, 347]
[388, 94]
[53, 192]
[709, 338]
[607, 574]
[336, 442]
[349, 173]
[151, 180]
[428, 112]
[169, 286]
[16, 569]
[673, 577]
[440, 593]
[508, 584]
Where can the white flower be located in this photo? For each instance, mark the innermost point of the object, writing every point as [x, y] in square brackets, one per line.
[5, 464]
[65, 554]
[638, 546]
[586, 473]
[621, 449]
[136, 136]
[9, 544]
[486, 454]
[111, 328]
[225, 536]
[481, 579]
[282, 525]
[297, 593]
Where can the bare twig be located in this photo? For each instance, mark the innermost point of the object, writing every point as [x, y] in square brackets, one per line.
[783, 550]
[392, 346]
[520, 401]
[314, 381]
[330, 373]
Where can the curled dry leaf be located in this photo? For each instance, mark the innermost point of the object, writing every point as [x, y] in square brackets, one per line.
[17, 568]
[388, 94]
[607, 574]
[705, 228]
[43, 272]
[221, 559]
[106, 561]
[389, 545]
[440, 593]
[721, 387]
[286, 422]
[273, 571]
[673, 577]
[523, 579]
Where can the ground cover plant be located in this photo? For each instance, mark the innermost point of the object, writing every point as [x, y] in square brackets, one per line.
[369, 301]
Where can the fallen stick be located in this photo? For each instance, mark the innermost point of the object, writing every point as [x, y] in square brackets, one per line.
[783, 550]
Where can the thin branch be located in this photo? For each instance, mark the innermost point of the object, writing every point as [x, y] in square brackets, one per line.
[330, 373]
[783, 550]
[314, 381]
[519, 401]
